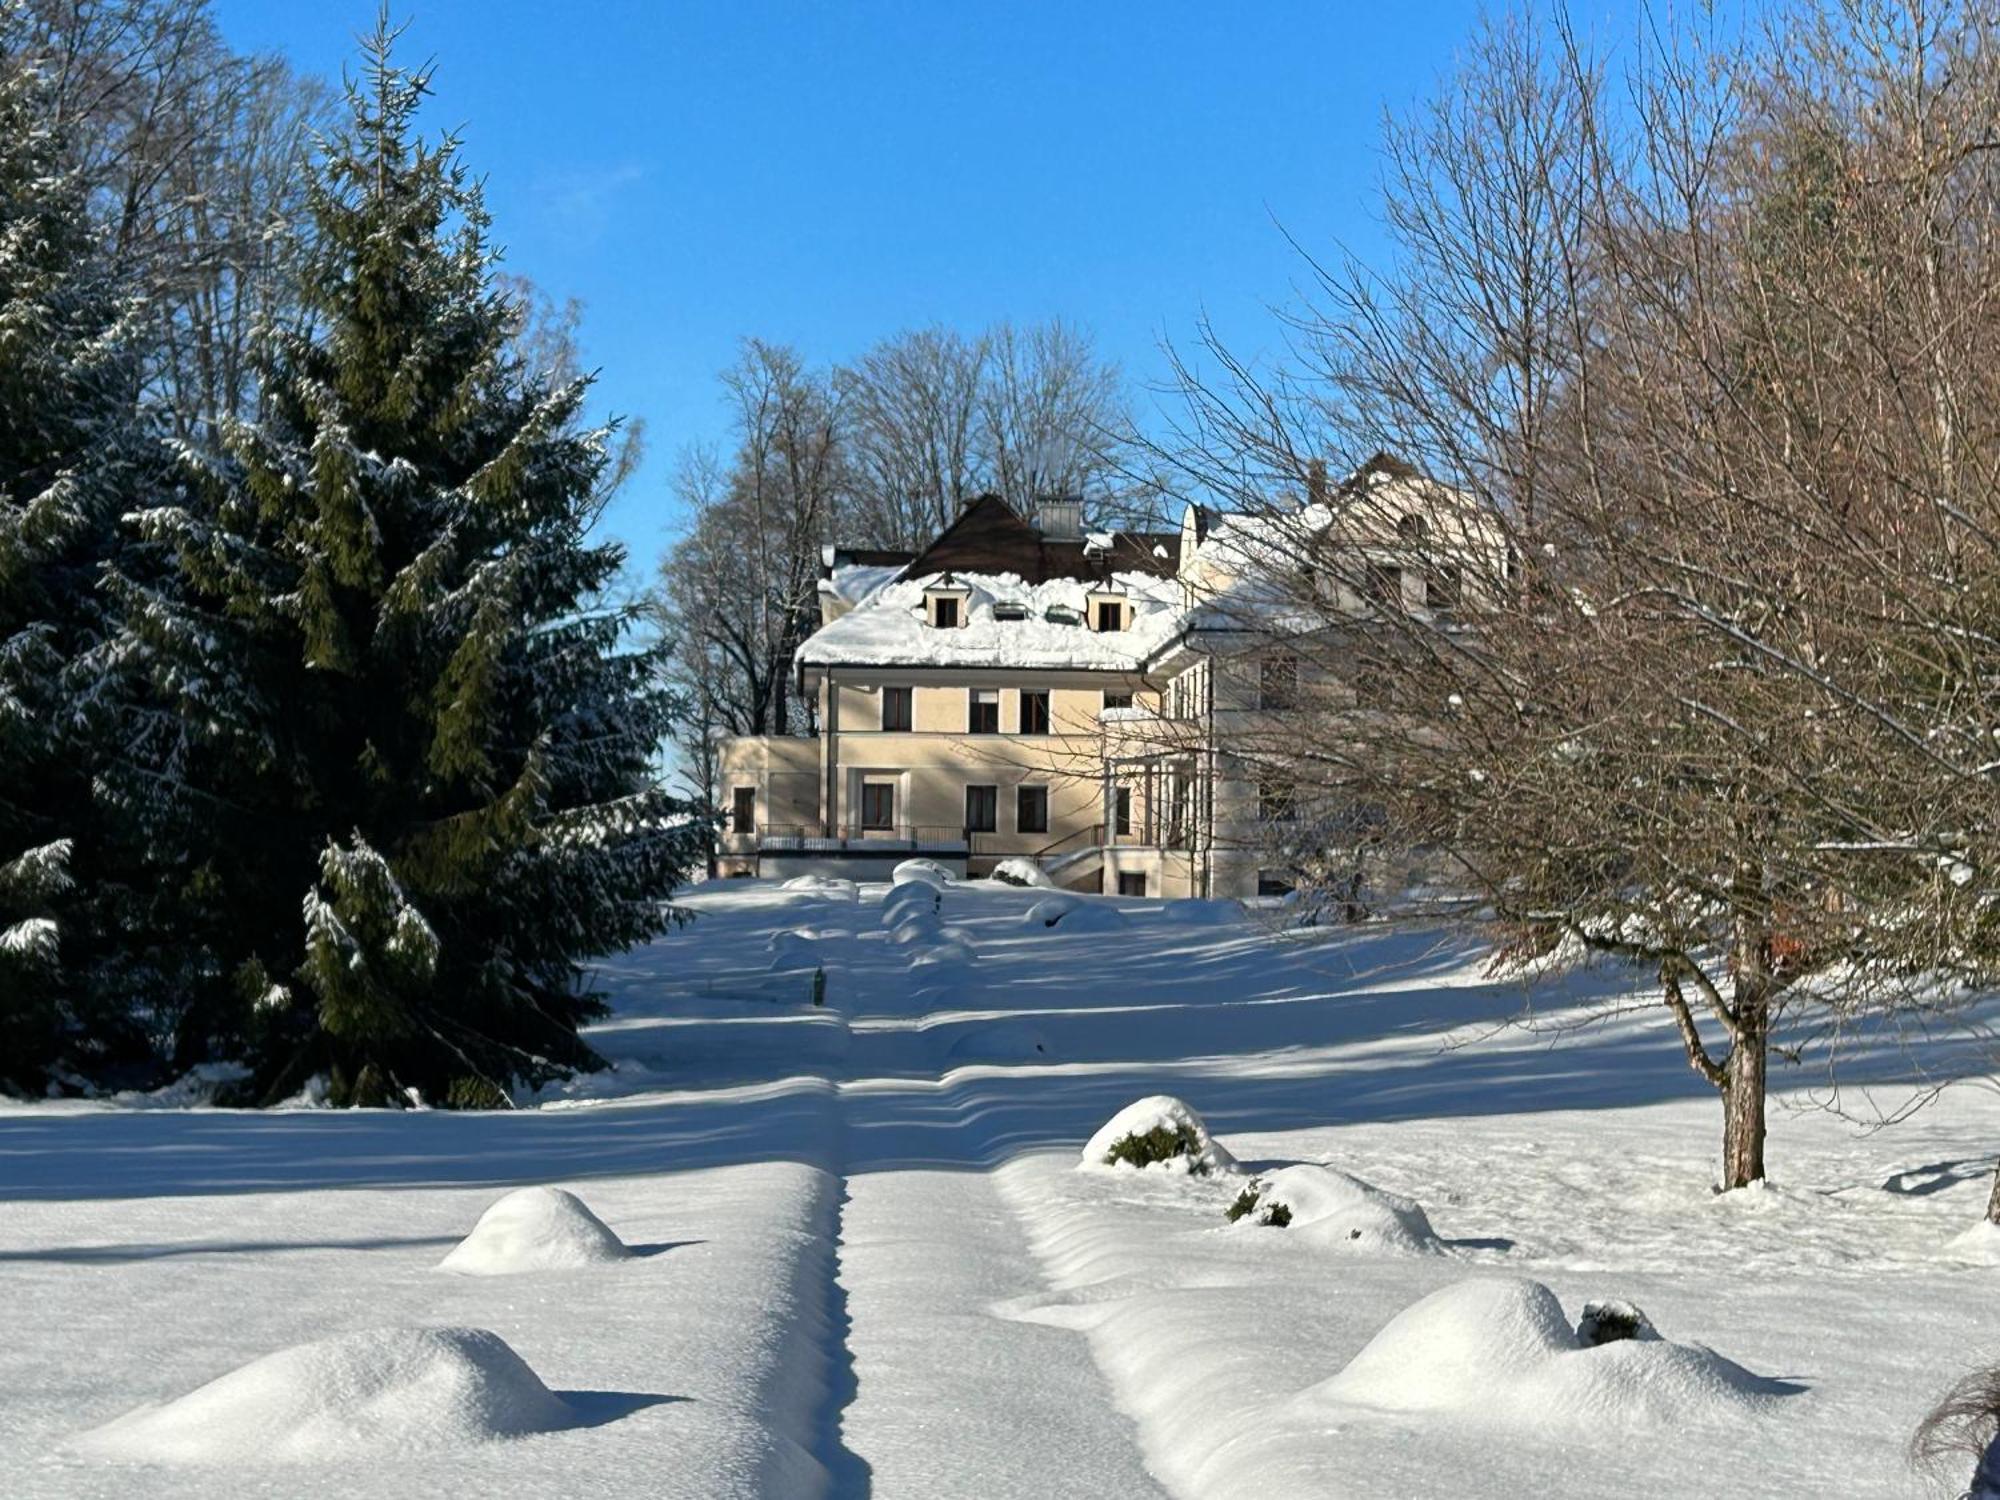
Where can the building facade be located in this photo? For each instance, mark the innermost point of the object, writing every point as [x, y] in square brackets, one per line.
[1022, 690]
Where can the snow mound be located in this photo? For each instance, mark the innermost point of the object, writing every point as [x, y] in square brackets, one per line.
[1194, 911]
[1050, 910]
[792, 949]
[1072, 914]
[1331, 1208]
[1157, 1131]
[921, 871]
[1501, 1353]
[947, 950]
[1021, 872]
[903, 900]
[923, 927]
[1980, 1244]
[825, 885]
[1004, 1041]
[535, 1229]
[385, 1389]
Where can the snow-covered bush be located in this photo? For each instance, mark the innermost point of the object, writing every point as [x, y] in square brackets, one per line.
[919, 928]
[1335, 1209]
[1069, 915]
[1022, 872]
[535, 1229]
[358, 1394]
[1501, 1352]
[927, 871]
[1050, 910]
[902, 900]
[1608, 1322]
[1157, 1131]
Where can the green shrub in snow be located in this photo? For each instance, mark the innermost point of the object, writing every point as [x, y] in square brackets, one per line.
[1161, 1143]
[1275, 1215]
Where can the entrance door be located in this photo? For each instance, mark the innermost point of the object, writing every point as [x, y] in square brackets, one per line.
[1130, 884]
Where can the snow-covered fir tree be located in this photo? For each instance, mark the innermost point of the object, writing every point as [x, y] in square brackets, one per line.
[72, 453]
[401, 704]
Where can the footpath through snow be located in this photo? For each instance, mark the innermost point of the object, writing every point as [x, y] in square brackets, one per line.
[846, 1251]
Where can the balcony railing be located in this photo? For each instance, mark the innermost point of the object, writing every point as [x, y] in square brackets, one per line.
[812, 838]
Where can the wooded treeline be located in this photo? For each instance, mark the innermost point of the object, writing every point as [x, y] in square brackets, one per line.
[326, 763]
[1709, 320]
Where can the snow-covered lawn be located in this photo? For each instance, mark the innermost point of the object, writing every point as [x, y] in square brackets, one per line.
[865, 1261]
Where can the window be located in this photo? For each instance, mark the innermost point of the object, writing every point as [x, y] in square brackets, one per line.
[1273, 883]
[1034, 712]
[1443, 589]
[1121, 811]
[1010, 609]
[878, 804]
[1117, 700]
[1061, 614]
[1110, 614]
[1130, 884]
[982, 711]
[1277, 681]
[1413, 529]
[1383, 585]
[896, 713]
[743, 816]
[982, 809]
[1031, 809]
[1274, 803]
[944, 611]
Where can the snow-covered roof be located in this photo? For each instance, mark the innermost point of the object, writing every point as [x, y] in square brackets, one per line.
[889, 626]
[852, 583]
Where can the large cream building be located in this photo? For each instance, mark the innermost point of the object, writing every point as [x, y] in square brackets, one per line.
[1022, 689]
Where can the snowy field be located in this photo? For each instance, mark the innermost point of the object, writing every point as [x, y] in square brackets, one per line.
[860, 1258]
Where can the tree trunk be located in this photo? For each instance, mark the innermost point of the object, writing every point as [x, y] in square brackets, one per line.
[1743, 1089]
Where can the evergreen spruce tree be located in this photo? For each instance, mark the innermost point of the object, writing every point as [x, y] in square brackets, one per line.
[71, 455]
[399, 704]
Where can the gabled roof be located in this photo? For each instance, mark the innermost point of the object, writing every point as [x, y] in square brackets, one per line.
[990, 536]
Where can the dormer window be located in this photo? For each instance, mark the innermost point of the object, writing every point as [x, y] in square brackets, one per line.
[1010, 609]
[945, 607]
[1107, 613]
[1061, 614]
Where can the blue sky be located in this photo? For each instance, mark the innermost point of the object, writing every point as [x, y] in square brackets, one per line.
[825, 174]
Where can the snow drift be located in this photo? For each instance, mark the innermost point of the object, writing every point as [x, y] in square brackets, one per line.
[1331, 1208]
[1002, 1041]
[825, 885]
[923, 872]
[1500, 1352]
[1197, 911]
[1160, 1132]
[385, 1389]
[1072, 914]
[535, 1229]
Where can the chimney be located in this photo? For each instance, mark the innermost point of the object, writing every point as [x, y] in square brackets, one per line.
[1059, 518]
